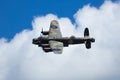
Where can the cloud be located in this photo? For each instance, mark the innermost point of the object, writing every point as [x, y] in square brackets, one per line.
[21, 60]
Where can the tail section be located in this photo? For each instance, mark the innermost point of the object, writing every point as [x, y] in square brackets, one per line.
[88, 39]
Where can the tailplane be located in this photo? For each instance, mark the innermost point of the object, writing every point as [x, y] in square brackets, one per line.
[88, 39]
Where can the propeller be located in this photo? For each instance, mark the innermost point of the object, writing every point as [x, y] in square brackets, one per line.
[42, 30]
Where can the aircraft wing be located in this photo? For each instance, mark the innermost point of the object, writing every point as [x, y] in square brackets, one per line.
[54, 33]
[56, 46]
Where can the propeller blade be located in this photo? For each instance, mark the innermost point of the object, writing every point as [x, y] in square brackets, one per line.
[42, 30]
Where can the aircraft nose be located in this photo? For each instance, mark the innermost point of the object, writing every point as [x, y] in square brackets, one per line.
[35, 41]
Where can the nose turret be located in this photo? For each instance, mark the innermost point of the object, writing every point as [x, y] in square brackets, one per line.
[35, 41]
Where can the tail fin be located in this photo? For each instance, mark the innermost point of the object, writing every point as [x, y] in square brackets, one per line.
[54, 31]
[88, 39]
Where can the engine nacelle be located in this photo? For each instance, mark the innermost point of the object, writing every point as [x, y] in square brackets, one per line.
[45, 45]
[47, 49]
[45, 32]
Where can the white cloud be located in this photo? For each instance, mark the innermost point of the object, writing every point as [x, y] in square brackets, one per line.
[21, 60]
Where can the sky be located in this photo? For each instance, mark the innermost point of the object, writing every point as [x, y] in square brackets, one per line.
[22, 21]
[17, 15]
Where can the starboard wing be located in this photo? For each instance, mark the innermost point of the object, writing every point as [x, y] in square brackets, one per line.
[57, 47]
[54, 33]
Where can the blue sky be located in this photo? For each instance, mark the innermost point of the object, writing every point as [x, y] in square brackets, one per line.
[16, 15]
[21, 60]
